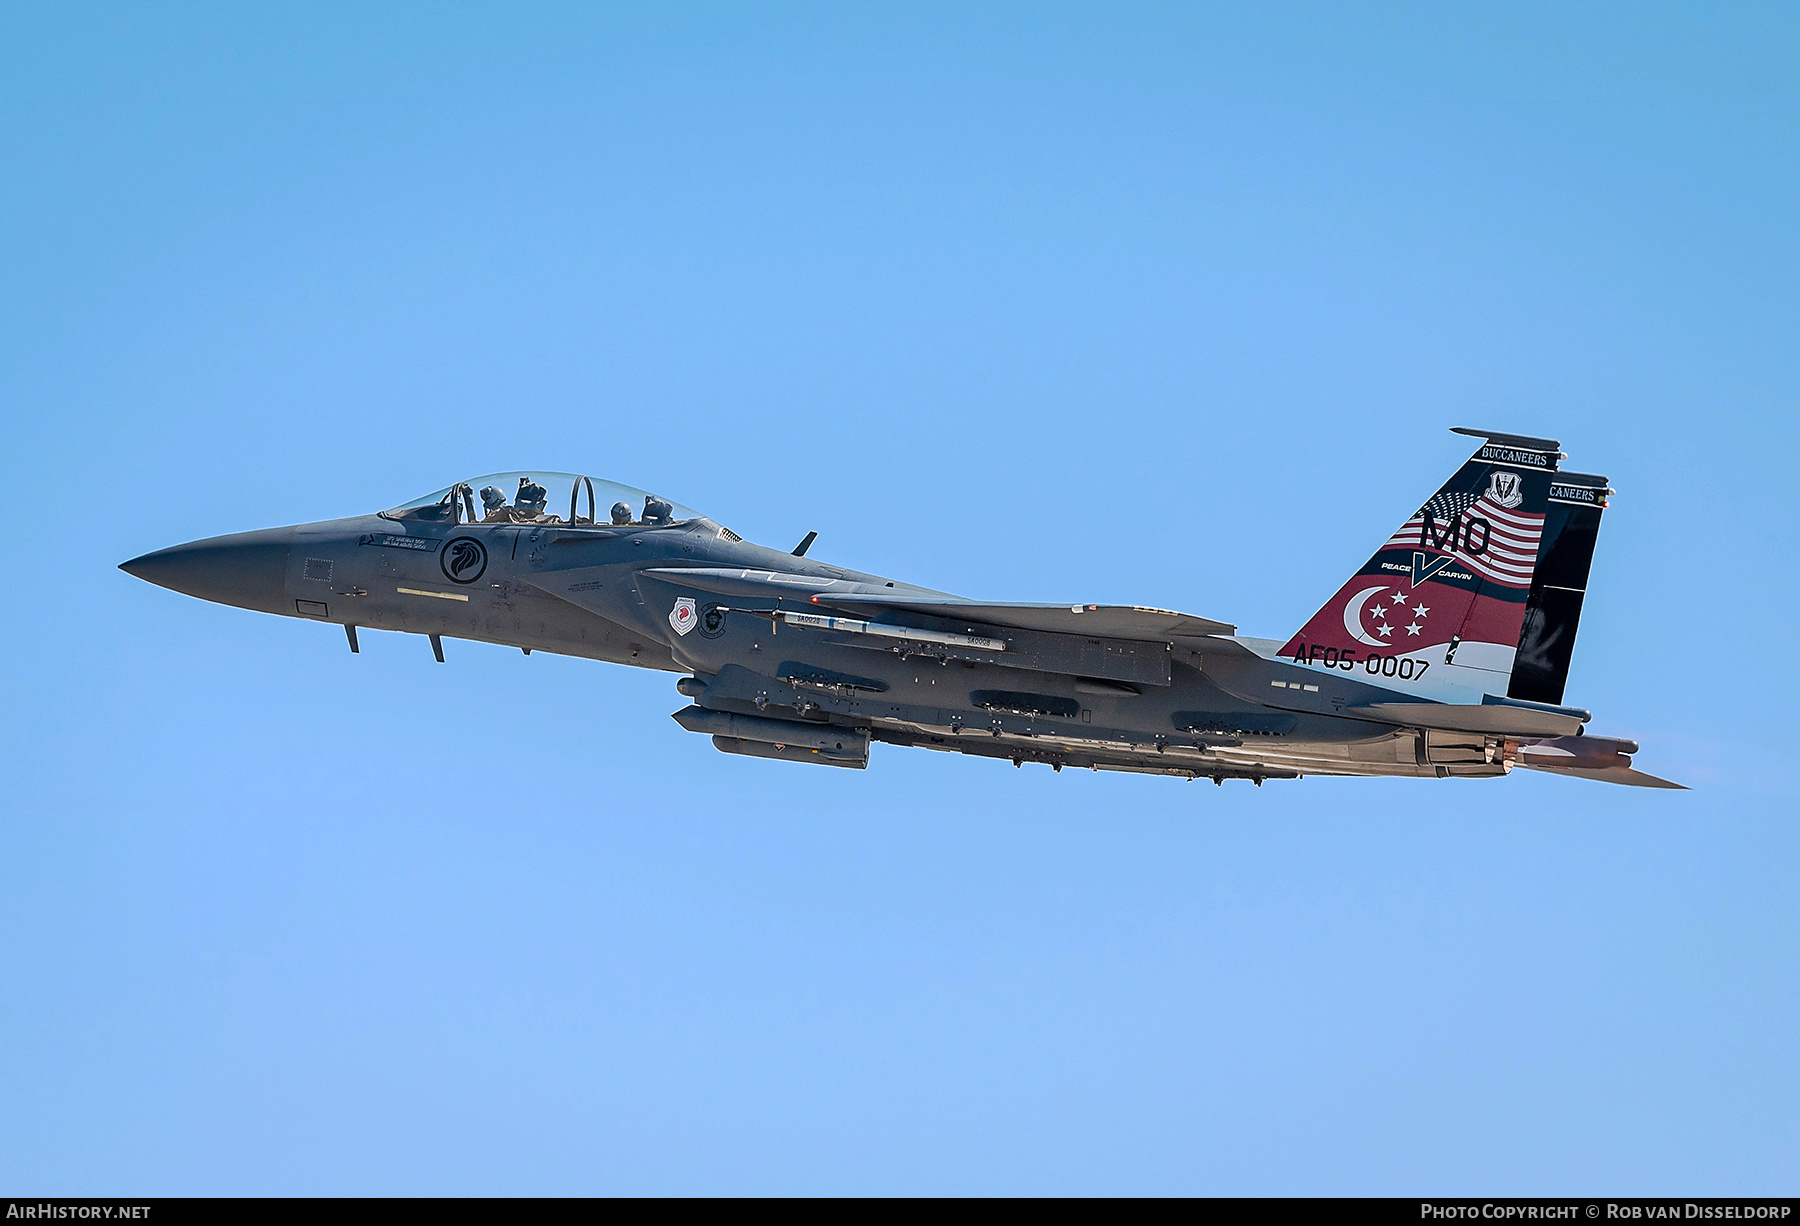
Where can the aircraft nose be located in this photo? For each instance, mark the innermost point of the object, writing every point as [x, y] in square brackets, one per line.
[246, 569]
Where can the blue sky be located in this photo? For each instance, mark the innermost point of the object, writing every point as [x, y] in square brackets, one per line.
[1167, 305]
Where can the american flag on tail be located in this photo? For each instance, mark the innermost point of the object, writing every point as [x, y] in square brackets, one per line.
[1506, 552]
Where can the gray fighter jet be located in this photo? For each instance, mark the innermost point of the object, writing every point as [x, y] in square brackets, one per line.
[1445, 655]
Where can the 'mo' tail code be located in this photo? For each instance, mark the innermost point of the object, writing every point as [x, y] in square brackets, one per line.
[1480, 591]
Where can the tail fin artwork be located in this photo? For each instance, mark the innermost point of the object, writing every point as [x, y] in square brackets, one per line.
[1479, 593]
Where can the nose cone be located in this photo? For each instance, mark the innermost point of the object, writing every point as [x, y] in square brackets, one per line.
[246, 569]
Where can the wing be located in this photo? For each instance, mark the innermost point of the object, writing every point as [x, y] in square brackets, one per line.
[1094, 620]
[1088, 643]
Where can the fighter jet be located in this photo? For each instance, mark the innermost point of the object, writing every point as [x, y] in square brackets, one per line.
[1443, 656]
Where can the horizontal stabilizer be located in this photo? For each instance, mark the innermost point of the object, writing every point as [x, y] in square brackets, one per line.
[1605, 758]
[1611, 774]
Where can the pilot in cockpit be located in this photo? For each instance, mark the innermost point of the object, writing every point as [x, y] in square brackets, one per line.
[529, 502]
[493, 504]
[621, 514]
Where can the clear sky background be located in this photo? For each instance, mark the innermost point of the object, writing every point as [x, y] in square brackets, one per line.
[1159, 305]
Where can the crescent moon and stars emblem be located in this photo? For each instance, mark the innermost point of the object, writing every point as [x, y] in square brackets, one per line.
[1382, 627]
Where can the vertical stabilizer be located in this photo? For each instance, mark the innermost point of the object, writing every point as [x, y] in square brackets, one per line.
[1478, 593]
[1553, 606]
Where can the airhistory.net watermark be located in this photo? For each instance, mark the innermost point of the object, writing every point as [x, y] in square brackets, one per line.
[52, 1211]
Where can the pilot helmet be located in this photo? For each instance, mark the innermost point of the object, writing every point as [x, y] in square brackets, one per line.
[492, 498]
[621, 513]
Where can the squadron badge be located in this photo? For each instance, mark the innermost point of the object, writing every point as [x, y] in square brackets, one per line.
[683, 616]
[1504, 490]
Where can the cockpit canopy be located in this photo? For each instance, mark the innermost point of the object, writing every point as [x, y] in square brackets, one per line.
[543, 498]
